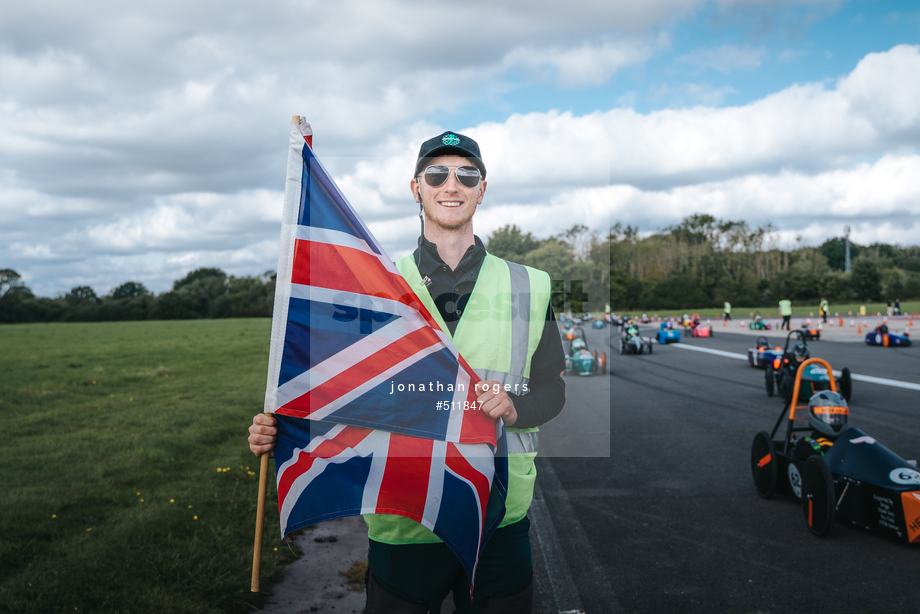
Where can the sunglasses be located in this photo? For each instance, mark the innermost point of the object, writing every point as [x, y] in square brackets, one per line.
[438, 174]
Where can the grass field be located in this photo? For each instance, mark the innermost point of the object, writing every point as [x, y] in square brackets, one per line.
[127, 482]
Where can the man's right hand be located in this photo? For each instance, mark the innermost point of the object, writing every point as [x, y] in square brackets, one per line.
[262, 434]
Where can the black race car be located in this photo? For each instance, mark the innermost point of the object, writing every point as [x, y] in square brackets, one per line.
[631, 342]
[837, 473]
[779, 374]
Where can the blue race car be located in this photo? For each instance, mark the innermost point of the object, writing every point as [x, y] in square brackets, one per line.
[667, 334]
[762, 353]
[835, 472]
[885, 338]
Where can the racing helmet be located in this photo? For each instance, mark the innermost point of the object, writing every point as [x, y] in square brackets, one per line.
[883, 329]
[827, 413]
[578, 344]
[800, 352]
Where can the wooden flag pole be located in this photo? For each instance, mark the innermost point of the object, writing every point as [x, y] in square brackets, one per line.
[260, 521]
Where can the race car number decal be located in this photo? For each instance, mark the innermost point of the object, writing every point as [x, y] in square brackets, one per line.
[795, 480]
[904, 475]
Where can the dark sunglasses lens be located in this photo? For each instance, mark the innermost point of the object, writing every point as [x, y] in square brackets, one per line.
[468, 176]
[436, 175]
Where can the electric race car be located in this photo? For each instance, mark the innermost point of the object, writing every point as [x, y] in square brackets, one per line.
[758, 324]
[667, 334]
[837, 473]
[631, 342]
[762, 354]
[882, 336]
[810, 333]
[698, 329]
[781, 373]
[580, 360]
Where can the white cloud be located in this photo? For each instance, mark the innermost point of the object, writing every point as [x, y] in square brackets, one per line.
[139, 142]
[589, 64]
[724, 59]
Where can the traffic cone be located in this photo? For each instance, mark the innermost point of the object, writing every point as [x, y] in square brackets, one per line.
[852, 323]
[841, 321]
[859, 329]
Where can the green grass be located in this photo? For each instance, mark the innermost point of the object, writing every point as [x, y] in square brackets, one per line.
[797, 310]
[116, 436]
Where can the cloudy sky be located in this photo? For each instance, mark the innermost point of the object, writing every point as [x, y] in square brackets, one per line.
[139, 141]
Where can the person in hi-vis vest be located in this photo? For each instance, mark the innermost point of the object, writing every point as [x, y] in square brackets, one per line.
[499, 317]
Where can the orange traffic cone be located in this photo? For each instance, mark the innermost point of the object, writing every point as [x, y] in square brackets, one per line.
[859, 329]
[841, 321]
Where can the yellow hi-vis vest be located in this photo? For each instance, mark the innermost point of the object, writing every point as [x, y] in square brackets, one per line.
[497, 335]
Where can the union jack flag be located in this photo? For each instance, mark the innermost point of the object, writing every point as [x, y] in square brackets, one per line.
[369, 393]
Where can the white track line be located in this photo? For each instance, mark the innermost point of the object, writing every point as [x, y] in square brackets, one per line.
[859, 378]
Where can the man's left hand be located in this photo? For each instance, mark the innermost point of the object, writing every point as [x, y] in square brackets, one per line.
[495, 402]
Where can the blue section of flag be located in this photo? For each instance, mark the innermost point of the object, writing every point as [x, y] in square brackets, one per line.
[321, 205]
[384, 406]
[454, 520]
[315, 331]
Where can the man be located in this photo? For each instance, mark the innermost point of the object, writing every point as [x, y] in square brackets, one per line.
[727, 314]
[822, 309]
[514, 347]
[785, 310]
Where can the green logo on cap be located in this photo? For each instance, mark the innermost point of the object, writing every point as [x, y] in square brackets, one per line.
[450, 139]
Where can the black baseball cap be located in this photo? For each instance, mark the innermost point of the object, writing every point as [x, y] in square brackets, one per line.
[446, 144]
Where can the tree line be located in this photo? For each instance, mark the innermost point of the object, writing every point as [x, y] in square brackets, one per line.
[704, 261]
[700, 262]
[203, 293]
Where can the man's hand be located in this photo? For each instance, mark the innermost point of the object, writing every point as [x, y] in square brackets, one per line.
[495, 402]
[262, 434]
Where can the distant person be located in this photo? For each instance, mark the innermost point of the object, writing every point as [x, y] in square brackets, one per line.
[785, 310]
[890, 308]
[727, 314]
[897, 306]
[822, 309]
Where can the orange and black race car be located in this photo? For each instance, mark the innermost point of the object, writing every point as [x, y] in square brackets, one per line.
[835, 471]
[780, 374]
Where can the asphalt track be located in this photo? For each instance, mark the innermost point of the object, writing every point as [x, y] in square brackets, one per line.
[670, 520]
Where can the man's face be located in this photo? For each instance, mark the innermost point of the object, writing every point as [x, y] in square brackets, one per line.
[451, 205]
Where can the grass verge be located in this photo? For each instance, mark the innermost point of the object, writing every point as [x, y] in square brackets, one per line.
[127, 482]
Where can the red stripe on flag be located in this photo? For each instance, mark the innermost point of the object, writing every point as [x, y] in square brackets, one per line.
[349, 437]
[359, 373]
[404, 486]
[347, 269]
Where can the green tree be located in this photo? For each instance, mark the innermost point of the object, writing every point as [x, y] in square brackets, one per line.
[79, 295]
[510, 243]
[9, 279]
[130, 289]
[198, 274]
[866, 281]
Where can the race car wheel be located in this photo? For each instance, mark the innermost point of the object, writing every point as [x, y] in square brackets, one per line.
[845, 383]
[603, 364]
[786, 383]
[769, 379]
[763, 464]
[818, 496]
